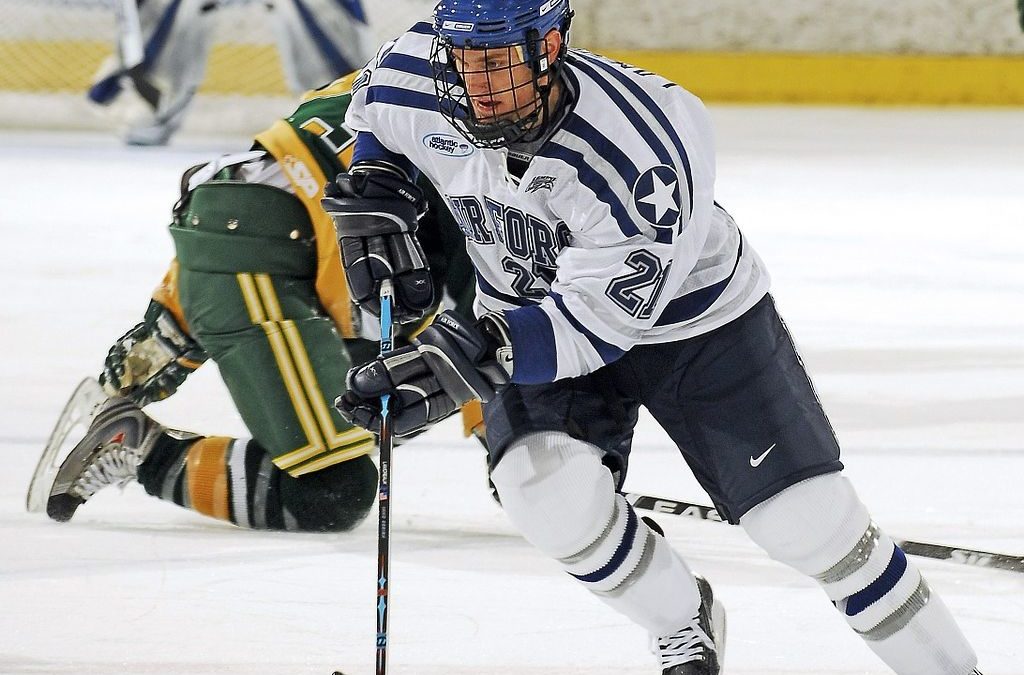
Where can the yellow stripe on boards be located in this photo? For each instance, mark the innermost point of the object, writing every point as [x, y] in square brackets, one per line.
[749, 77]
[839, 78]
[42, 66]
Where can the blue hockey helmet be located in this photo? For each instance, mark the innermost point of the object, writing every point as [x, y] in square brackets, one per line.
[507, 35]
[475, 24]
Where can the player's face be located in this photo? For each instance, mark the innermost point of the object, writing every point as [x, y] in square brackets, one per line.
[498, 81]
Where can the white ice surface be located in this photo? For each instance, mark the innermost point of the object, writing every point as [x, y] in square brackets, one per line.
[896, 243]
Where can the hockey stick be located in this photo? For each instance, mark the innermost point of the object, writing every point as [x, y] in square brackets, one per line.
[964, 556]
[386, 443]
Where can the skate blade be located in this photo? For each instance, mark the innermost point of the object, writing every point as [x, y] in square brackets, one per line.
[71, 426]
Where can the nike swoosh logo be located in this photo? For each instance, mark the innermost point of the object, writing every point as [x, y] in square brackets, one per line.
[757, 462]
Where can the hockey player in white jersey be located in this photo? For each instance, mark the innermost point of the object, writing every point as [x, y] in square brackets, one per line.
[608, 278]
[163, 47]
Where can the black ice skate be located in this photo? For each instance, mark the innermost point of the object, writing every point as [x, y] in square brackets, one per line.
[699, 648]
[116, 443]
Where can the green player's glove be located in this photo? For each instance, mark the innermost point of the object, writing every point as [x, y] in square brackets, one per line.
[150, 361]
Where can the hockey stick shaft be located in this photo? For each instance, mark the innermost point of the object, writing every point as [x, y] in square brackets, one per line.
[386, 442]
[964, 556]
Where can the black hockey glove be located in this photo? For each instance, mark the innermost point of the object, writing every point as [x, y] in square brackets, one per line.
[150, 361]
[375, 210]
[451, 362]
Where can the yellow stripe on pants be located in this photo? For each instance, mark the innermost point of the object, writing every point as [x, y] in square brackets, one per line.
[337, 446]
[289, 376]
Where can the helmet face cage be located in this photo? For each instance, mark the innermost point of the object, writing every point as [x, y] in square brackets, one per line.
[492, 72]
[494, 96]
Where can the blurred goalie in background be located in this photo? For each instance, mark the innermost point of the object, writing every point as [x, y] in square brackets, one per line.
[163, 45]
[256, 286]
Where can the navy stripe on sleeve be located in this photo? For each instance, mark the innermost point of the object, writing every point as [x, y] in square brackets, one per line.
[533, 345]
[607, 352]
[594, 181]
[696, 303]
[406, 98]
[490, 291]
[604, 147]
[628, 109]
[655, 110]
[368, 148]
[408, 64]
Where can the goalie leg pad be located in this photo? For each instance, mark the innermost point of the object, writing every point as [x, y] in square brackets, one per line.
[561, 497]
[318, 40]
[821, 528]
[177, 36]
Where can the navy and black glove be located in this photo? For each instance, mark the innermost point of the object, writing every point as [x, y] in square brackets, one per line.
[375, 210]
[451, 362]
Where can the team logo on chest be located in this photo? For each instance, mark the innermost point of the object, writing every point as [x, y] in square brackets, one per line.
[656, 196]
[541, 183]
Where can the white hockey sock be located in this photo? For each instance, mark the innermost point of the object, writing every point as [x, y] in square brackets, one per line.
[822, 529]
[557, 492]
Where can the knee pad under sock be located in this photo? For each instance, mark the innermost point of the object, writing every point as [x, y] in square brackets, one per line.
[562, 498]
[821, 528]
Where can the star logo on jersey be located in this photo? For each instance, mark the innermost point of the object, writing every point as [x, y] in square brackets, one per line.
[656, 196]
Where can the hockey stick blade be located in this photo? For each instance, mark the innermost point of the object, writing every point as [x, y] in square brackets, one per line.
[77, 414]
[963, 556]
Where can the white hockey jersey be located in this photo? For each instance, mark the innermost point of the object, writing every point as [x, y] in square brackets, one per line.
[610, 239]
